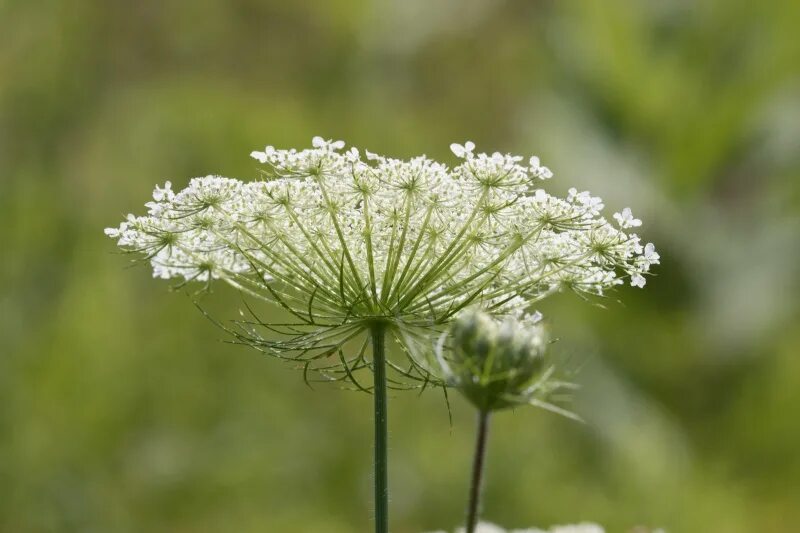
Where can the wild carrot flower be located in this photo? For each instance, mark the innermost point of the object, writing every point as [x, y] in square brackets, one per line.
[342, 241]
[354, 247]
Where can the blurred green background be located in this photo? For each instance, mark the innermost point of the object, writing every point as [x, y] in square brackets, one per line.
[120, 410]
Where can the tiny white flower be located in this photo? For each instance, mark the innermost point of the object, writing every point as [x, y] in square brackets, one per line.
[626, 219]
[261, 157]
[637, 280]
[593, 204]
[166, 193]
[650, 256]
[572, 193]
[463, 151]
[319, 142]
[353, 155]
[538, 170]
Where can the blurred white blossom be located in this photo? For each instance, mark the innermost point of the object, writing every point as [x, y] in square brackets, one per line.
[584, 527]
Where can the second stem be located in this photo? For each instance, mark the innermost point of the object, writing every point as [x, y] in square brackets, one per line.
[473, 507]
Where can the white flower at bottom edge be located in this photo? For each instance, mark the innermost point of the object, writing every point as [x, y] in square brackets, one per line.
[584, 527]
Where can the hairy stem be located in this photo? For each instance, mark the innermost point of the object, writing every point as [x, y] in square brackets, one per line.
[381, 434]
[473, 508]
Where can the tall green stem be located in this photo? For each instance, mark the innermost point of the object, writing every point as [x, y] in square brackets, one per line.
[473, 508]
[381, 434]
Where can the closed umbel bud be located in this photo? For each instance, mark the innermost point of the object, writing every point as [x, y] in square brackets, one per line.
[494, 363]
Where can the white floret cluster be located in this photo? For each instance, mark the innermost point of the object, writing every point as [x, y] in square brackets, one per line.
[337, 234]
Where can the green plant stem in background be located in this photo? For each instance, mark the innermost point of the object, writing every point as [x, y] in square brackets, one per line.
[381, 434]
[473, 508]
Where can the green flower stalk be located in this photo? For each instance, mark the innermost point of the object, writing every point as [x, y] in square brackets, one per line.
[361, 251]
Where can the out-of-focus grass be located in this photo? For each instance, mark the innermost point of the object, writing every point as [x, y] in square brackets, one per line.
[121, 411]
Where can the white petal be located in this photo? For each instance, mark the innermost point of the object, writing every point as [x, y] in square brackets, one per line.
[458, 150]
[260, 156]
[353, 154]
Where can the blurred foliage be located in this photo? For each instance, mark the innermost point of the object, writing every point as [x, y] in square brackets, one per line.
[120, 410]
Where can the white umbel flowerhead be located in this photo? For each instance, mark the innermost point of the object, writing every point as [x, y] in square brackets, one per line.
[340, 240]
